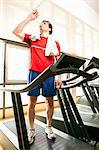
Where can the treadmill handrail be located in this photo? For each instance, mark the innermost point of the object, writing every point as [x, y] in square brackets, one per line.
[39, 79]
[94, 85]
[50, 71]
[89, 67]
[54, 70]
[75, 84]
[94, 63]
[74, 71]
[71, 79]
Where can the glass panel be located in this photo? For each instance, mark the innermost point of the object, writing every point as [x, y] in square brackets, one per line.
[96, 36]
[59, 15]
[88, 35]
[17, 63]
[96, 49]
[79, 45]
[77, 41]
[60, 33]
[1, 60]
[78, 26]
[88, 47]
[1, 98]
[88, 52]
[1, 70]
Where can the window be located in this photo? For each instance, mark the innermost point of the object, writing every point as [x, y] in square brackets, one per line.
[1, 60]
[17, 63]
[77, 34]
[88, 42]
[1, 69]
[96, 43]
[61, 35]
[60, 31]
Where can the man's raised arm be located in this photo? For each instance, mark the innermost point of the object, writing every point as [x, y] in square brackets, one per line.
[18, 30]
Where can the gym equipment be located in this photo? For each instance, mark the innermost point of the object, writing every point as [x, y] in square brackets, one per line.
[65, 64]
[70, 111]
[87, 131]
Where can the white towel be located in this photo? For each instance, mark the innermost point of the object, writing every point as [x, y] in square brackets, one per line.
[51, 47]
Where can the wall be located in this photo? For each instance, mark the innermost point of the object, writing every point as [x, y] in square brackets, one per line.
[81, 10]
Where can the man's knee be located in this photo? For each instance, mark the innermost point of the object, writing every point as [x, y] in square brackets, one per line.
[32, 102]
[49, 102]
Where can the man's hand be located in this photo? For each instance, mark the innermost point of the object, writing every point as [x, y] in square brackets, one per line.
[33, 15]
[58, 83]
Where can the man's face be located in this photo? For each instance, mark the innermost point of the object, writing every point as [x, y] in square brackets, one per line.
[44, 26]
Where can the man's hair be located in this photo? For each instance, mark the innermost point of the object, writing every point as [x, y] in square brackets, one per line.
[50, 26]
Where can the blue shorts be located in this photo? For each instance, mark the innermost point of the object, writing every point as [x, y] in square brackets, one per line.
[47, 88]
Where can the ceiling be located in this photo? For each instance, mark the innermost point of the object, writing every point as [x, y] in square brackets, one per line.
[94, 4]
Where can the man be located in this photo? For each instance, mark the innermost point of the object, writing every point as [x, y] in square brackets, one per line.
[39, 62]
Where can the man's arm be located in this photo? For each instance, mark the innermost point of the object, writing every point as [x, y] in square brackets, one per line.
[58, 78]
[18, 30]
[58, 82]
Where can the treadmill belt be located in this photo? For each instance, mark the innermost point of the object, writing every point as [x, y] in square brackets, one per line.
[42, 143]
[91, 118]
[83, 108]
[86, 115]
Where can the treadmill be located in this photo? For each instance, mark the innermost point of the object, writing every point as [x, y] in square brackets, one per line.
[91, 121]
[71, 122]
[92, 90]
[19, 128]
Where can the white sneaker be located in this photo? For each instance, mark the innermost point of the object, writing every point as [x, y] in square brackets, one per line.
[31, 135]
[50, 133]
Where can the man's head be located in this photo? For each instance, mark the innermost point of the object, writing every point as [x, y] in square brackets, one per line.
[46, 26]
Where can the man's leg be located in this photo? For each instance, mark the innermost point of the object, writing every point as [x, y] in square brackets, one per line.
[48, 91]
[31, 117]
[31, 111]
[49, 109]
